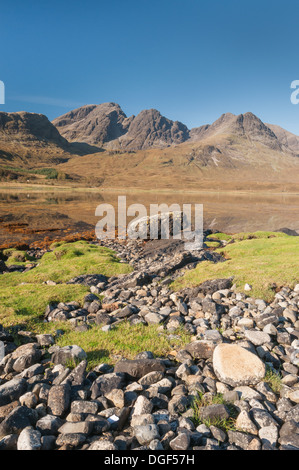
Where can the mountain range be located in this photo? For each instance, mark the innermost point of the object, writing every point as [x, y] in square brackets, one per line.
[149, 150]
[107, 126]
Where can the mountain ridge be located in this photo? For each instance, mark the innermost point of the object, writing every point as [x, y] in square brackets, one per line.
[150, 150]
[108, 126]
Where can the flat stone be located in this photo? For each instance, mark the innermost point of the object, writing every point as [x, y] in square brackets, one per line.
[83, 427]
[294, 396]
[116, 397]
[240, 439]
[269, 435]
[49, 425]
[151, 378]
[70, 440]
[102, 444]
[142, 406]
[245, 424]
[9, 442]
[257, 337]
[137, 368]
[45, 340]
[83, 406]
[262, 418]
[142, 420]
[107, 382]
[236, 366]
[5, 410]
[214, 412]
[25, 356]
[153, 318]
[179, 404]
[29, 399]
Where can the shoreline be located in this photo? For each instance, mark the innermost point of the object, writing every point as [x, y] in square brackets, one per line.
[64, 188]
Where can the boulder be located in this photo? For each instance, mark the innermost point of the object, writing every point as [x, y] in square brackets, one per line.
[237, 366]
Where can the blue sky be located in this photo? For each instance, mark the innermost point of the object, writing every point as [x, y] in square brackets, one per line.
[191, 59]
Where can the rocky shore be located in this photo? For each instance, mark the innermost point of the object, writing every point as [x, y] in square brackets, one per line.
[233, 387]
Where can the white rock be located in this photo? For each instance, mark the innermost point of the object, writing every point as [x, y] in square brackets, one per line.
[269, 435]
[244, 423]
[257, 337]
[29, 439]
[237, 366]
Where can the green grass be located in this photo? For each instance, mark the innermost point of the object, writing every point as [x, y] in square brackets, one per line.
[16, 257]
[258, 235]
[68, 260]
[260, 259]
[49, 173]
[213, 244]
[124, 340]
[24, 296]
[273, 379]
[220, 236]
[24, 305]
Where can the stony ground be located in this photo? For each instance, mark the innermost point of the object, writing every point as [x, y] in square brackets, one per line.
[234, 386]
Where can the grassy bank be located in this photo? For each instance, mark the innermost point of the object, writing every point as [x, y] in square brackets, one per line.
[260, 259]
[24, 297]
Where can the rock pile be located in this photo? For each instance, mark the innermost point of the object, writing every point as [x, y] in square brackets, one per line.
[237, 343]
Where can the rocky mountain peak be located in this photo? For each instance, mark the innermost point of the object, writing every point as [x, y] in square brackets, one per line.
[93, 124]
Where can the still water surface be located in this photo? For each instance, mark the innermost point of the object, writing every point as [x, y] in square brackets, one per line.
[36, 213]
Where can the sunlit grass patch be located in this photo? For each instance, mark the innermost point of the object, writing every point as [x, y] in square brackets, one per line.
[25, 295]
[23, 303]
[220, 236]
[261, 262]
[123, 340]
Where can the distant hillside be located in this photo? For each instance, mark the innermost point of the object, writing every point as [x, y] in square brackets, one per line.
[100, 144]
[31, 139]
[222, 162]
[247, 126]
[286, 138]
